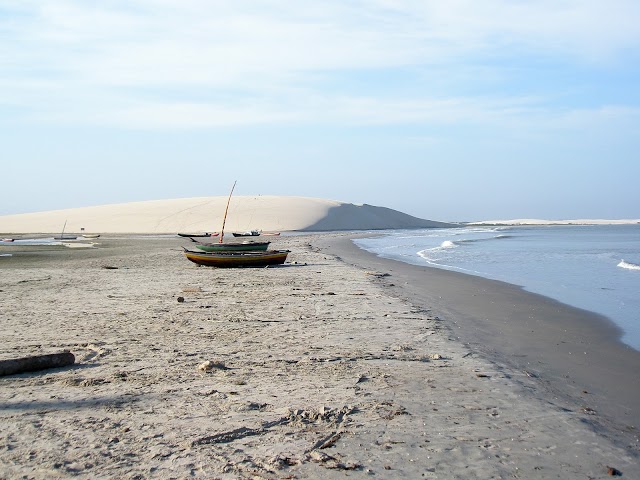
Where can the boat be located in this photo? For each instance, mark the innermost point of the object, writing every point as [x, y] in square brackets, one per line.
[251, 233]
[8, 240]
[90, 235]
[62, 236]
[233, 255]
[231, 246]
[199, 235]
[237, 259]
[255, 233]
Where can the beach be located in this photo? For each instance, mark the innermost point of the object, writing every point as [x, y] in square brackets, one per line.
[336, 364]
[577, 353]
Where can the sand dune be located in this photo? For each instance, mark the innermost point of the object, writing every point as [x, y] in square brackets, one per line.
[537, 221]
[205, 214]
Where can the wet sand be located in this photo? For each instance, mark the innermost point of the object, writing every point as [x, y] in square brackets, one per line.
[576, 355]
[325, 367]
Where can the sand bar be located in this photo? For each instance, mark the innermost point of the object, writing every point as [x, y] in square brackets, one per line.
[318, 369]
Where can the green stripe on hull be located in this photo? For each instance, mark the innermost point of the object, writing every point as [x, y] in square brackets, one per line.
[236, 247]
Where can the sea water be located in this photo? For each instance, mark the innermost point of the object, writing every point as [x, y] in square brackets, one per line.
[593, 267]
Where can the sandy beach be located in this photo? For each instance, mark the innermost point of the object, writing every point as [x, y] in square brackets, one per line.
[329, 366]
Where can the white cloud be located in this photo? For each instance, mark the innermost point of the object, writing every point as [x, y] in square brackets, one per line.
[209, 63]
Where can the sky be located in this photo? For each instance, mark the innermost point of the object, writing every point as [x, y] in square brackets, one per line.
[455, 111]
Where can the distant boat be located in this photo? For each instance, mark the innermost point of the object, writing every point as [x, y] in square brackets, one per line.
[251, 233]
[231, 246]
[237, 259]
[90, 235]
[255, 233]
[199, 235]
[8, 239]
[62, 236]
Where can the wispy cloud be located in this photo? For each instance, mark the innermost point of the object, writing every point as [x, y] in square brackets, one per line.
[192, 64]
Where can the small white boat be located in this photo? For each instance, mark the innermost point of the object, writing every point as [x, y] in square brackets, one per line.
[251, 233]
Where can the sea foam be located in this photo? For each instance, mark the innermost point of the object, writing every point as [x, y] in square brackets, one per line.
[629, 265]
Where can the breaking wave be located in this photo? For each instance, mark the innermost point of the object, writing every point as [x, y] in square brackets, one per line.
[629, 265]
[455, 243]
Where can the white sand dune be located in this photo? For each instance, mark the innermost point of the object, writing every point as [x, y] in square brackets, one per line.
[205, 214]
[536, 221]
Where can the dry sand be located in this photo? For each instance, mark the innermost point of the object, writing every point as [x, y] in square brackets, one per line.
[319, 369]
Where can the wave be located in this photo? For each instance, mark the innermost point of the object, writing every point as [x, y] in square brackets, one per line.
[629, 265]
[444, 245]
[455, 243]
[476, 240]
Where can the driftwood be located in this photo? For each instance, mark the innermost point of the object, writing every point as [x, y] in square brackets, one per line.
[35, 363]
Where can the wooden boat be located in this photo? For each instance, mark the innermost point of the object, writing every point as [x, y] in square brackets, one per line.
[231, 246]
[199, 235]
[233, 255]
[252, 233]
[237, 259]
[62, 236]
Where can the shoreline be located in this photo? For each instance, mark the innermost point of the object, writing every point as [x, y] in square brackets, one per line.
[576, 354]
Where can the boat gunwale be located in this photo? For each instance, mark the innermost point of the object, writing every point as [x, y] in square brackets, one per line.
[241, 253]
[231, 259]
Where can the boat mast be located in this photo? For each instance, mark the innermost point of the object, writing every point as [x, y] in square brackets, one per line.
[63, 227]
[225, 212]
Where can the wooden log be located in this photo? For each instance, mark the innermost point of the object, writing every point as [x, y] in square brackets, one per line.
[35, 363]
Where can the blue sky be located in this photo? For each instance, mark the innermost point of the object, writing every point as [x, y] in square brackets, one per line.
[456, 110]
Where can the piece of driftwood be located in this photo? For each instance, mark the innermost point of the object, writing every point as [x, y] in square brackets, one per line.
[35, 363]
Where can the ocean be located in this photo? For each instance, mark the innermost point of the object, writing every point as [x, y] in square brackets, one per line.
[592, 267]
